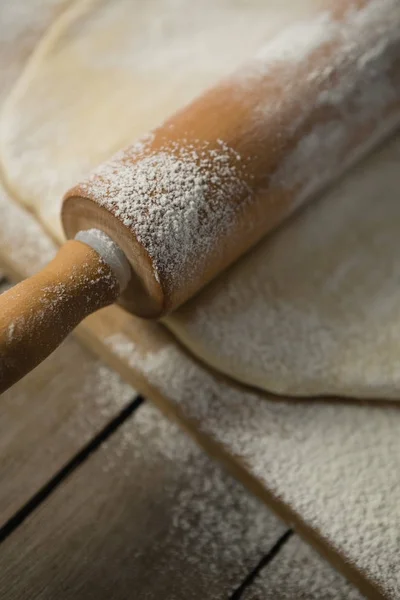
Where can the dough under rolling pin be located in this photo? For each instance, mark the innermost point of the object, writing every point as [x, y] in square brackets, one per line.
[160, 219]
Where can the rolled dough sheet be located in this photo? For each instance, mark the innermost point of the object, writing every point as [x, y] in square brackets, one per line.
[313, 309]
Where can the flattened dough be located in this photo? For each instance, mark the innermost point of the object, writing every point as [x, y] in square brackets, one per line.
[315, 308]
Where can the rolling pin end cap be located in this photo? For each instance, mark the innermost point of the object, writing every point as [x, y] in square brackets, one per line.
[110, 252]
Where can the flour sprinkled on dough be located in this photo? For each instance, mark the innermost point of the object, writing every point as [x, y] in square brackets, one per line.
[174, 200]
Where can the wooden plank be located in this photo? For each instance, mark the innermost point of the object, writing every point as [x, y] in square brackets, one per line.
[146, 516]
[316, 463]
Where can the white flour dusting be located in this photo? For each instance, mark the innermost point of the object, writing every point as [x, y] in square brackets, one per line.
[294, 44]
[175, 200]
[109, 252]
[60, 307]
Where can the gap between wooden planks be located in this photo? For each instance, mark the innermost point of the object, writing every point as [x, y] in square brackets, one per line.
[216, 412]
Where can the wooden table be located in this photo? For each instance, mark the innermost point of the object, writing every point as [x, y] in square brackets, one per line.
[102, 497]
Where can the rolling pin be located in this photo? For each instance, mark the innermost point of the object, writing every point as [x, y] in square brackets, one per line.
[163, 217]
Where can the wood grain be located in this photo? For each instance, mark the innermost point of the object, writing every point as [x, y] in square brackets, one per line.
[150, 512]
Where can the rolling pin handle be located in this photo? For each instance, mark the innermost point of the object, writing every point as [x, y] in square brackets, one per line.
[37, 314]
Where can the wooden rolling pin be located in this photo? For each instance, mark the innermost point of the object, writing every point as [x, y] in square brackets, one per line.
[159, 220]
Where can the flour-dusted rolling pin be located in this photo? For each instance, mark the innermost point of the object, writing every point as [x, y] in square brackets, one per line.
[159, 220]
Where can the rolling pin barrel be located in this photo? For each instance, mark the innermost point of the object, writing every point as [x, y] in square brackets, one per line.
[199, 191]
